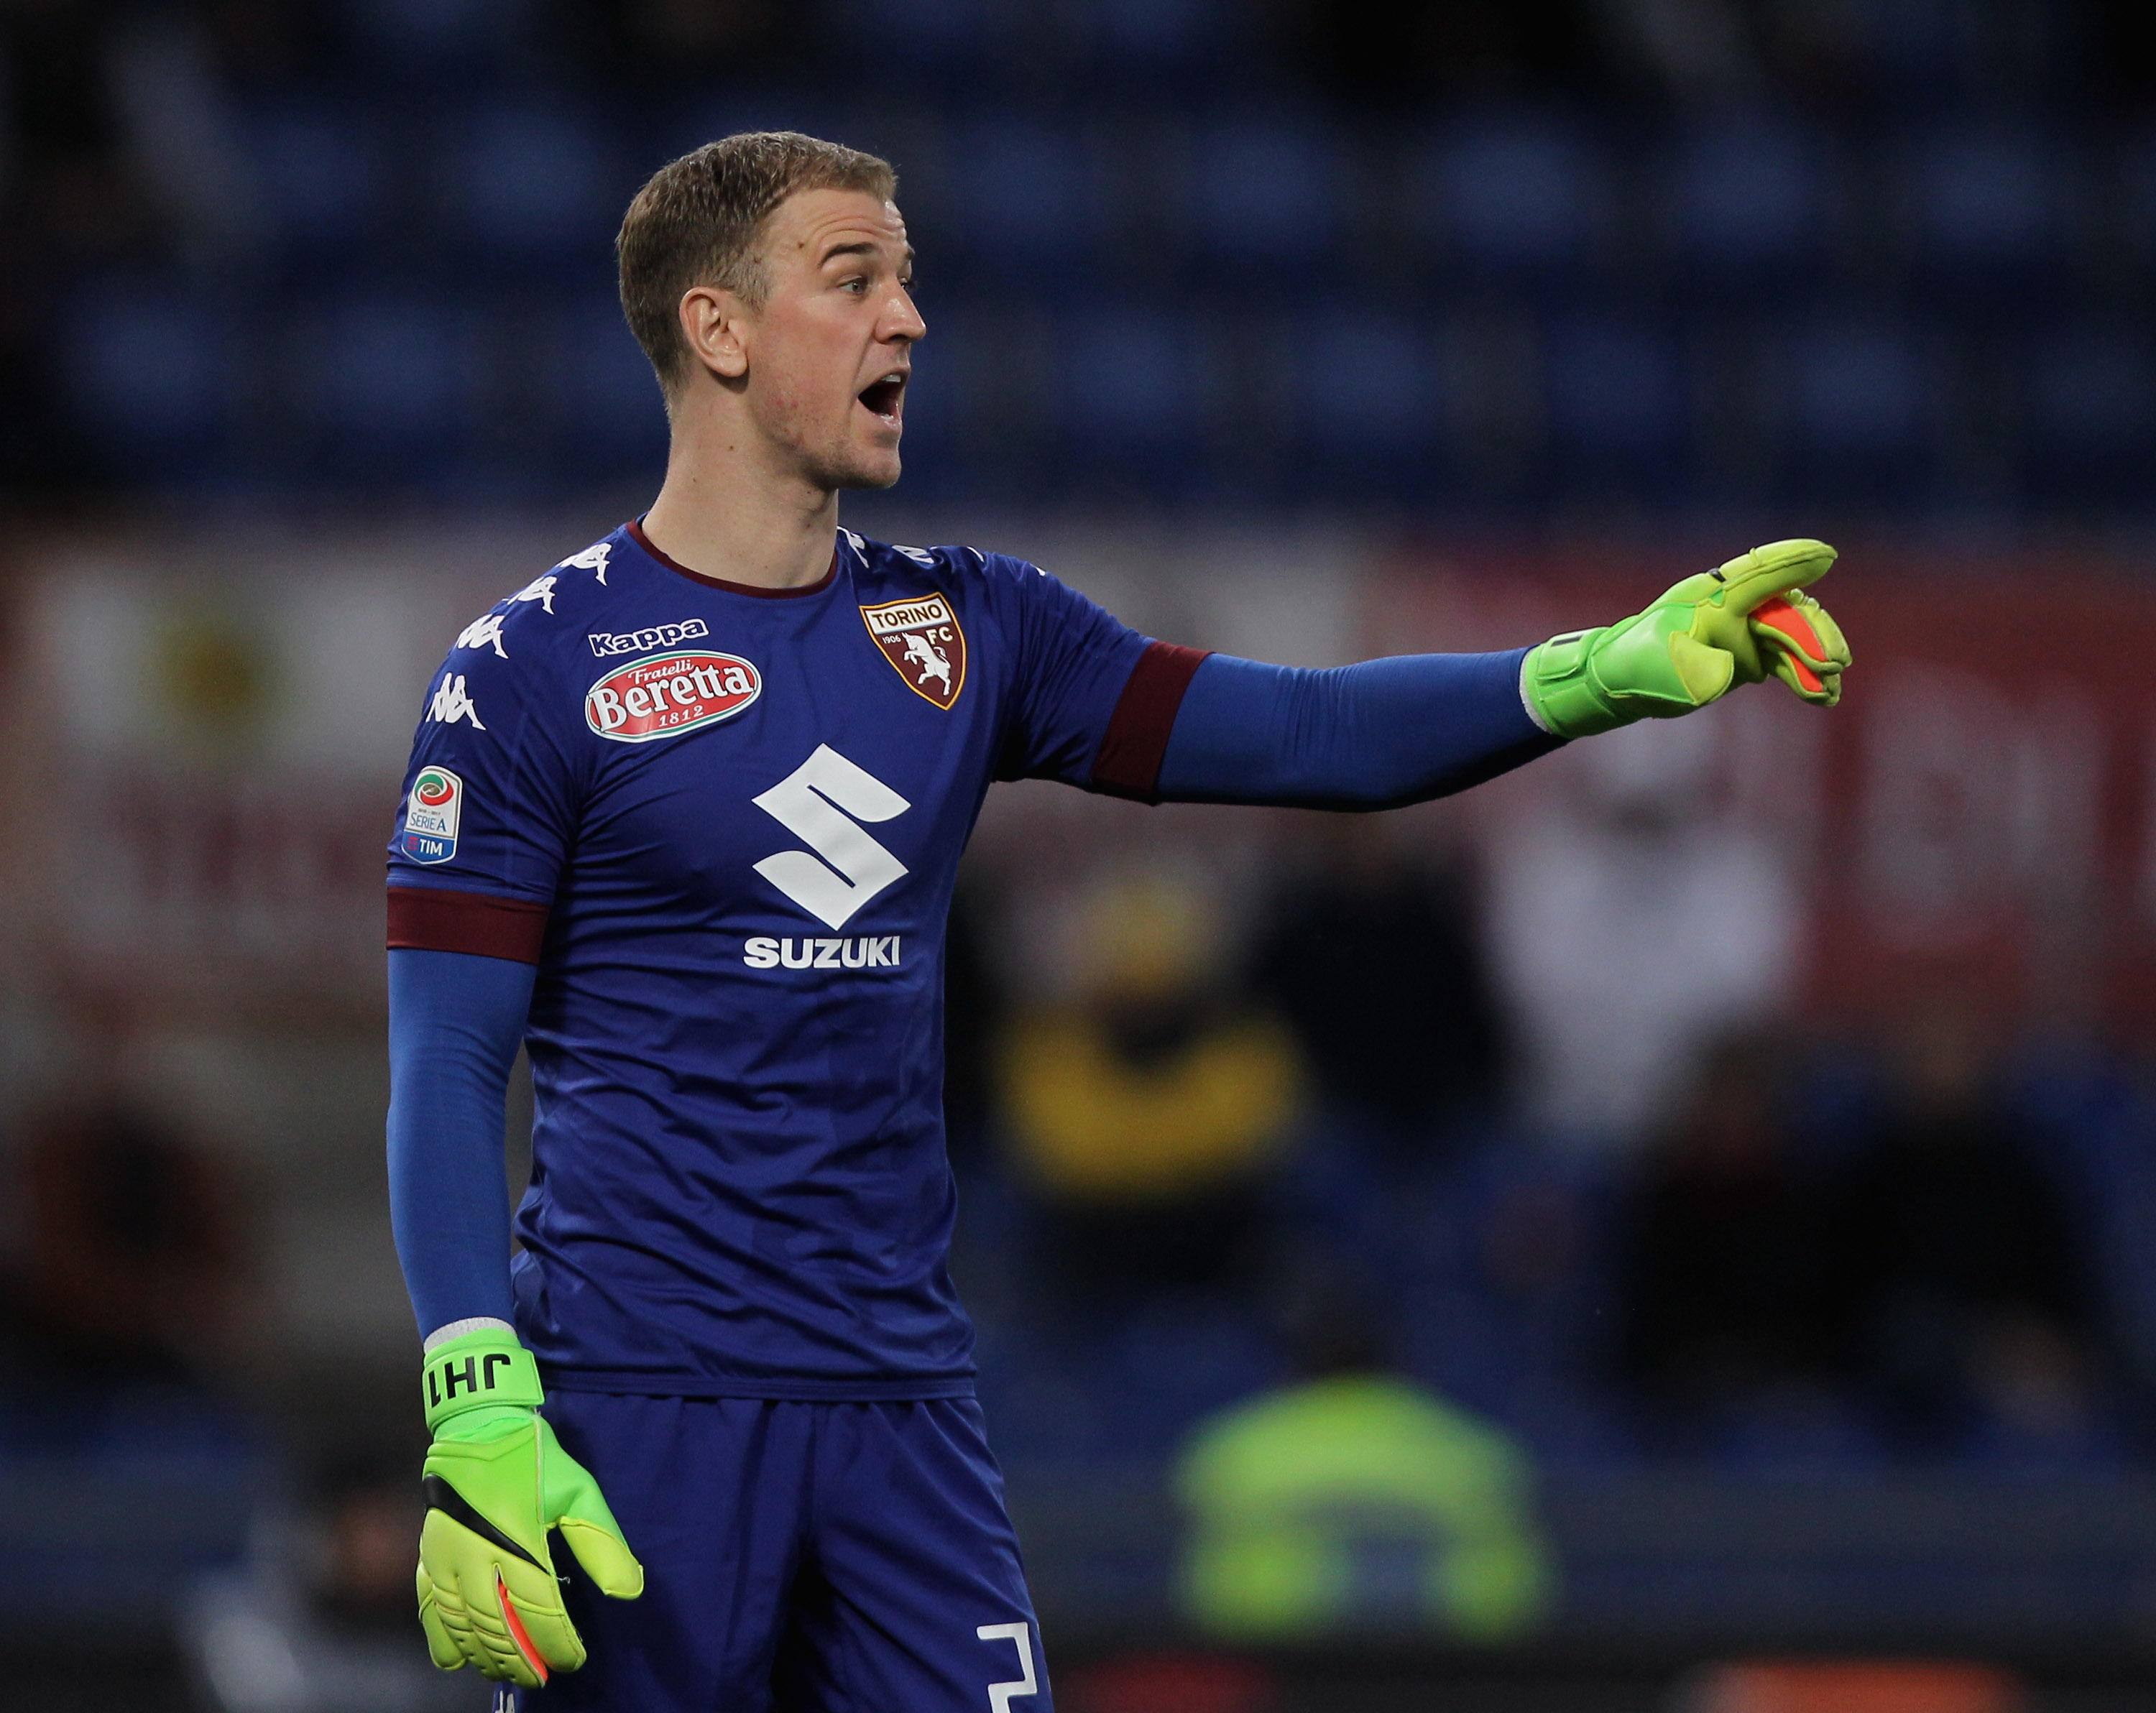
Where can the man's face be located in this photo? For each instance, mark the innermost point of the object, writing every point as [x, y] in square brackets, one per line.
[830, 351]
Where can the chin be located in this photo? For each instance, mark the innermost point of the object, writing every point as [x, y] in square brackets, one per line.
[856, 467]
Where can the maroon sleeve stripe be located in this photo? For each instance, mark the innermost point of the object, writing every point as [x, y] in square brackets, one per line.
[1136, 739]
[422, 918]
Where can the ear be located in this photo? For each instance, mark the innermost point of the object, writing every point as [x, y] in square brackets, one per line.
[712, 326]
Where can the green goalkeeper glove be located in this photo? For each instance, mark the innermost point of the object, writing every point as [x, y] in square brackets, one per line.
[496, 1482]
[1726, 627]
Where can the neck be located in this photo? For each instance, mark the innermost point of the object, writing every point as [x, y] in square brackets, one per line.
[729, 510]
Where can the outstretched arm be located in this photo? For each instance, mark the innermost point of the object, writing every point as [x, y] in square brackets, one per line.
[1372, 737]
[1405, 729]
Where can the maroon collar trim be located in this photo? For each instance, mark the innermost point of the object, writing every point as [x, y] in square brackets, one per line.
[635, 527]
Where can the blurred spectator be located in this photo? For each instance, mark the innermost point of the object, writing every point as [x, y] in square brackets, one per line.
[1374, 963]
[1144, 1115]
[129, 1271]
[1718, 1269]
[1959, 1284]
[1631, 922]
[1355, 1500]
[319, 1619]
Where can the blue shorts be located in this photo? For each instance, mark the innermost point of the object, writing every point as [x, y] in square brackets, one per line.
[800, 1558]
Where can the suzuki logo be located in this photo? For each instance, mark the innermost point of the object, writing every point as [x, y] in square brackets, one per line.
[853, 867]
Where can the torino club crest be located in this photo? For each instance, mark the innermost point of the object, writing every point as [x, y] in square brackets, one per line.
[922, 639]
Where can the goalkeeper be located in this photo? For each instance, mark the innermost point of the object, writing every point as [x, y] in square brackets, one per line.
[1187, 727]
[707, 889]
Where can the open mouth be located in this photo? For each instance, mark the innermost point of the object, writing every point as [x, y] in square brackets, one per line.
[884, 397]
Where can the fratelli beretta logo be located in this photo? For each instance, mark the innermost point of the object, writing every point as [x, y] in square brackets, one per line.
[431, 814]
[669, 695]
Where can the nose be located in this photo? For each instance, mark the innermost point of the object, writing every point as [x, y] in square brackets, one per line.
[902, 320]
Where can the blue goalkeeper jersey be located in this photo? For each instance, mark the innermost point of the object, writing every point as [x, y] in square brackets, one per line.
[723, 822]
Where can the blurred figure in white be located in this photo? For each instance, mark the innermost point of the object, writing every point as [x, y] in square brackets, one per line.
[318, 1619]
[1631, 921]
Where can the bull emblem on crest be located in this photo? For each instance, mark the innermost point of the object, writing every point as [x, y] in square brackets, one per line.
[931, 660]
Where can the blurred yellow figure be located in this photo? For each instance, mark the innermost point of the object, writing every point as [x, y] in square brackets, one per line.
[1358, 1501]
[1155, 1086]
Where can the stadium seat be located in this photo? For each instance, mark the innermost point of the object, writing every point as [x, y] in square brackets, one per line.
[1745, 197]
[387, 384]
[1270, 190]
[609, 415]
[1616, 394]
[1369, 390]
[1019, 195]
[1526, 195]
[1983, 209]
[148, 369]
[323, 177]
[1131, 390]
[524, 181]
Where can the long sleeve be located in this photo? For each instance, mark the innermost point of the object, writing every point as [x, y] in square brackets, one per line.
[1369, 736]
[456, 1020]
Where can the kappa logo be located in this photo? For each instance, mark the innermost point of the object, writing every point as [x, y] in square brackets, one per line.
[453, 702]
[482, 632]
[592, 558]
[669, 694]
[539, 589]
[431, 814]
[814, 803]
[648, 640]
[922, 640]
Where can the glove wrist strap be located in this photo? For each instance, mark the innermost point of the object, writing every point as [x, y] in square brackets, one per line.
[486, 1369]
[1560, 689]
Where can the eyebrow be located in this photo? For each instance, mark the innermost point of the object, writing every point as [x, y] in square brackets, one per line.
[862, 249]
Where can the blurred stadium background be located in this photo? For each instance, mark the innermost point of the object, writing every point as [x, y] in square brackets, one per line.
[1692, 1204]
